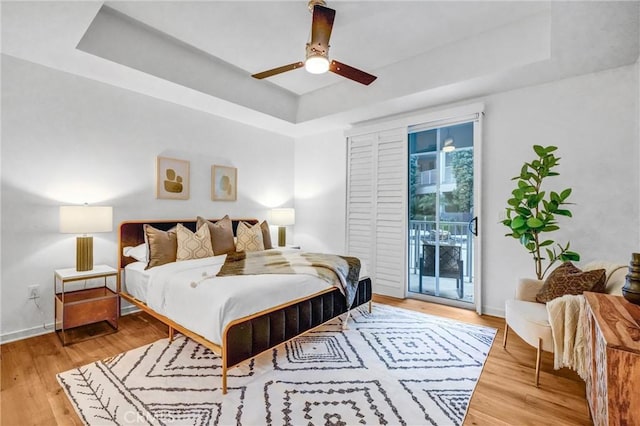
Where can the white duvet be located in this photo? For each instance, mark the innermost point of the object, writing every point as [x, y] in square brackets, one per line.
[189, 293]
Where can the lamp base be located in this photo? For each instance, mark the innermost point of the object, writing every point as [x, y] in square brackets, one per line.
[84, 253]
[631, 289]
[282, 236]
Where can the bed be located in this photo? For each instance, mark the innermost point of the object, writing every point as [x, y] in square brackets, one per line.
[254, 324]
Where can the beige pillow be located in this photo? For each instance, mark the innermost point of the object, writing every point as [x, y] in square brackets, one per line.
[249, 237]
[193, 245]
[221, 234]
[568, 279]
[162, 245]
[266, 235]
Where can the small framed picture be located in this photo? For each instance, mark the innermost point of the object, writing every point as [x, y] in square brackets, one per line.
[224, 183]
[172, 179]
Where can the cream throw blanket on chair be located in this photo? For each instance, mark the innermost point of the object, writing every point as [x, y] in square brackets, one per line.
[566, 316]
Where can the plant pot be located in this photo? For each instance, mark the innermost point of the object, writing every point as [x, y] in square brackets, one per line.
[631, 289]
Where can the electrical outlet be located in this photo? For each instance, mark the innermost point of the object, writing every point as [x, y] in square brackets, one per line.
[34, 291]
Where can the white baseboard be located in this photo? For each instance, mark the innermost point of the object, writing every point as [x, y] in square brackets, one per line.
[26, 333]
[486, 310]
[126, 310]
[48, 328]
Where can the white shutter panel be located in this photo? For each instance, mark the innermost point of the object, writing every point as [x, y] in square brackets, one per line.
[360, 198]
[390, 213]
[376, 213]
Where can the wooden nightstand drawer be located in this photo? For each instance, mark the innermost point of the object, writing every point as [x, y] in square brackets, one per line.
[87, 306]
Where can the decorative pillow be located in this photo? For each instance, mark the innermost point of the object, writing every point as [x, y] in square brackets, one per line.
[266, 235]
[138, 252]
[249, 237]
[568, 279]
[163, 246]
[221, 234]
[193, 245]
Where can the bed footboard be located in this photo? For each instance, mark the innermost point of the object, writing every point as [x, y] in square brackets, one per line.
[256, 335]
[247, 339]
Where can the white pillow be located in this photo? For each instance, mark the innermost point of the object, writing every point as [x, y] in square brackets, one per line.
[139, 253]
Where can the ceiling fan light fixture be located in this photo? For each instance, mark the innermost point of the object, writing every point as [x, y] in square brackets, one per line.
[317, 50]
[317, 64]
[448, 145]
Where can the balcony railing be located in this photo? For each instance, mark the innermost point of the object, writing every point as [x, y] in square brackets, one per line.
[431, 177]
[450, 233]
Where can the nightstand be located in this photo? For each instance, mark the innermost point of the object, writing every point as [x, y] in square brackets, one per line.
[85, 306]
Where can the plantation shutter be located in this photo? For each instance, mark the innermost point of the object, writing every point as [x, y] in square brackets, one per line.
[376, 207]
[360, 198]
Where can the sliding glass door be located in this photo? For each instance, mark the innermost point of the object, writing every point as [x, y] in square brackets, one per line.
[442, 221]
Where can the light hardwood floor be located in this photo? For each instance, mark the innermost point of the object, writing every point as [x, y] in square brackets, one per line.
[505, 394]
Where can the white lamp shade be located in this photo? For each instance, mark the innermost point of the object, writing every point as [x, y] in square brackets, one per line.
[282, 217]
[85, 219]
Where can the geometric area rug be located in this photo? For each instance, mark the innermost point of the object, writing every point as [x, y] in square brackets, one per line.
[392, 366]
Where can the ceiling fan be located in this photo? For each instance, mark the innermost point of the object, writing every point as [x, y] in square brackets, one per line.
[317, 56]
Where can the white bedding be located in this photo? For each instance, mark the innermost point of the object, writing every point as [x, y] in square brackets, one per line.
[136, 280]
[190, 294]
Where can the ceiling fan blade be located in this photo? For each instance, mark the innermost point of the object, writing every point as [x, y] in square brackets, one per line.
[279, 70]
[321, 25]
[351, 73]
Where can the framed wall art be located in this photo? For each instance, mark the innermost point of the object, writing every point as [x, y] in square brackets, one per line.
[224, 183]
[172, 179]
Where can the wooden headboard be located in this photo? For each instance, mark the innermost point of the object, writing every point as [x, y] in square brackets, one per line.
[131, 233]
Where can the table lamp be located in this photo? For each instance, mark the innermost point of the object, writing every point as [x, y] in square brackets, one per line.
[282, 218]
[84, 220]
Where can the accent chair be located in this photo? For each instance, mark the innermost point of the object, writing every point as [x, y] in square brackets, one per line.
[529, 318]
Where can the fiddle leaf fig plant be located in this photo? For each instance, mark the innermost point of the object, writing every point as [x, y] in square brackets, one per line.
[531, 212]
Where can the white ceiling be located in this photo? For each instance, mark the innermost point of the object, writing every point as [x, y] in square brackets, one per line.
[425, 53]
[367, 35]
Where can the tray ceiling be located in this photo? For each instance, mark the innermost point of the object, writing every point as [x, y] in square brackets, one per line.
[201, 54]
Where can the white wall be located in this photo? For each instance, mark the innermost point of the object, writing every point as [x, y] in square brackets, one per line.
[593, 119]
[69, 140]
[320, 192]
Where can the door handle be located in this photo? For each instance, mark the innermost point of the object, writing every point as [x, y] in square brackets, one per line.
[473, 226]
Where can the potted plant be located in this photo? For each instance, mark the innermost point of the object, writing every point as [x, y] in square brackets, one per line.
[531, 212]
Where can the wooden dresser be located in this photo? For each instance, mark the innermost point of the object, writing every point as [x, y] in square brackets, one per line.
[613, 354]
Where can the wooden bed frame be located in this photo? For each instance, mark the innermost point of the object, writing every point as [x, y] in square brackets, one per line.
[246, 337]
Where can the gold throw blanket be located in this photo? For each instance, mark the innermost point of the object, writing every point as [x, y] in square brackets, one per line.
[340, 271]
[566, 316]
